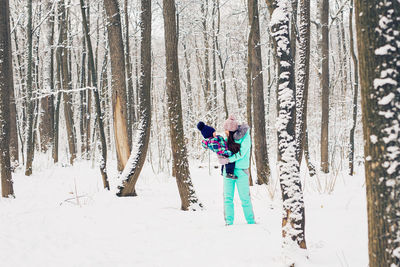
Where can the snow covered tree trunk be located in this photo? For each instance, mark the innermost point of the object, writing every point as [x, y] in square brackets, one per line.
[187, 193]
[46, 103]
[378, 39]
[302, 77]
[137, 158]
[99, 117]
[288, 167]
[30, 104]
[66, 83]
[256, 82]
[118, 82]
[324, 19]
[355, 93]
[6, 85]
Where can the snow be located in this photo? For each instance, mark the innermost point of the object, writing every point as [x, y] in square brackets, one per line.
[387, 99]
[44, 226]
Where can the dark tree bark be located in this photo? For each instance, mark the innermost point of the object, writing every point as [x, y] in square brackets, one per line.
[66, 83]
[136, 161]
[293, 222]
[256, 80]
[187, 193]
[130, 93]
[30, 104]
[6, 87]
[118, 82]
[99, 116]
[355, 93]
[378, 38]
[249, 96]
[302, 85]
[324, 18]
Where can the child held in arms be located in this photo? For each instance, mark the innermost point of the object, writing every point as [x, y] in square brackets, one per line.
[217, 144]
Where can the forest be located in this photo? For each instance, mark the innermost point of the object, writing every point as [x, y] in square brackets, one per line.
[110, 111]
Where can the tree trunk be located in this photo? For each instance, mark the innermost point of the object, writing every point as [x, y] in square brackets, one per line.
[207, 88]
[118, 82]
[355, 95]
[249, 96]
[302, 77]
[46, 103]
[221, 63]
[6, 88]
[99, 117]
[293, 221]
[30, 104]
[324, 18]
[136, 161]
[130, 93]
[66, 83]
[187, 193]
[256, 80]
[378, 25]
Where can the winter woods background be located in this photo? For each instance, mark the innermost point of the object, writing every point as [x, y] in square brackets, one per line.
[124, 83]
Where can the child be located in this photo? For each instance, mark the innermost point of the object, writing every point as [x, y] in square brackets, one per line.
[218, 145]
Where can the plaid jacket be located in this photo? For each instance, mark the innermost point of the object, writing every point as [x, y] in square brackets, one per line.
[217, 145]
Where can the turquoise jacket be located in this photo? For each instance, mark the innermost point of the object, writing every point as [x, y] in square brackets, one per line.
[242, 137]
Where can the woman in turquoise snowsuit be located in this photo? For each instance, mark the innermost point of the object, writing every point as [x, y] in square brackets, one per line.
[241, 135]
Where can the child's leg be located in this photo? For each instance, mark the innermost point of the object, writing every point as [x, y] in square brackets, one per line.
[230, 169]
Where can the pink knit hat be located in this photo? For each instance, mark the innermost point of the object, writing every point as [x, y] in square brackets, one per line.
[231, 124]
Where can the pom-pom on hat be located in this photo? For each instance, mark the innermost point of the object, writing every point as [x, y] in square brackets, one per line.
[206, 130]
[231, 124]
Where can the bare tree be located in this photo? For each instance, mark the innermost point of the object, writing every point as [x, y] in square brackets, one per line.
[118, 82]
[30, 103]
[293, 222]
[187, 193]
[324, 18]
[130, 92]
[256, 82]
[355, 93]
[6, 86]
[46, 103]
[99, 117]
[378, 39]
[302, 83]
[136, 161]
[66, 81]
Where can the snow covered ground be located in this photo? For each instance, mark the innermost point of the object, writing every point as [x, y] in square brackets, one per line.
[44, 225]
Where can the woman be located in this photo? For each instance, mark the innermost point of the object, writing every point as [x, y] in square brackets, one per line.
[238, 138]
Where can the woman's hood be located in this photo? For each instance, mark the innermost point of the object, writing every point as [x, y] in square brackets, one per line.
[241, 131]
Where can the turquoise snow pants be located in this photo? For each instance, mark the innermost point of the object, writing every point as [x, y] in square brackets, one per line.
[244, 193]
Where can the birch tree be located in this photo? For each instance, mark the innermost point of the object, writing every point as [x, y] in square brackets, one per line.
[378, 39]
